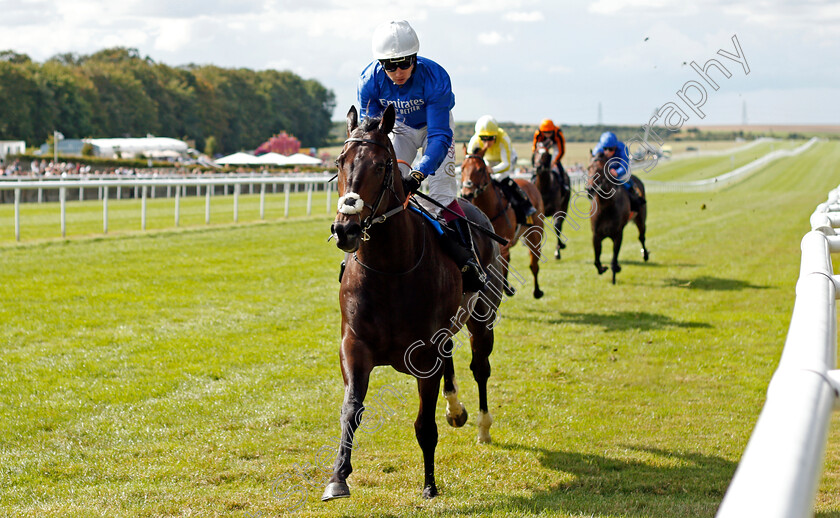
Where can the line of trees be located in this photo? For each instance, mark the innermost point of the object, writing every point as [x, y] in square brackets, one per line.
[117, 93]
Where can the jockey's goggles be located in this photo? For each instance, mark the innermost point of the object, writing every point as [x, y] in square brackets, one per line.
[486, 137]
[390, 65]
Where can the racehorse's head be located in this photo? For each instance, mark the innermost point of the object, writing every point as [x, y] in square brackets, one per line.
[597, 178]
[542, 157]
[475, 175]
[367, 169]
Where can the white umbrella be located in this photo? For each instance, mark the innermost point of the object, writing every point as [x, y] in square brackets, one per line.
[238, 159]
[273, 159]
[301, 159]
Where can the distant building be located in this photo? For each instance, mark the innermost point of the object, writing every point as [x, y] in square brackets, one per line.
[11, 147]
[148, 147]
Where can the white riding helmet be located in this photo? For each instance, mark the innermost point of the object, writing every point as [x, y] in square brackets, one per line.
[393, 40]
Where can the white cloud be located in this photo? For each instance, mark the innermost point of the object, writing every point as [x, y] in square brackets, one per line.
[174, 35]
[485, 6]
[613, 7]
[533, 16]
[492, 38]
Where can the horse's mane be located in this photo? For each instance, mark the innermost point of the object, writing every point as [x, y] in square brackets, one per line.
[372, 123]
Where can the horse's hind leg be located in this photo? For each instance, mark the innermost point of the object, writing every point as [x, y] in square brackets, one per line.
[456, 412]
[481, 328]
[426, 431]
[356, 379]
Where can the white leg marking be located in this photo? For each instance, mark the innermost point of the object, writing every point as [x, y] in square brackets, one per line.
[484, 422]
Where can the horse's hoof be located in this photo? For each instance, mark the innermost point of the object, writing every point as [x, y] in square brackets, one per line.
[616, 268]
[557, 254]
[430, 492]
[613, 277]
[459, 420]
[645, 254]
[561, 245]
[601, 269]
[335, 490]
[509, 291]
[538, 294]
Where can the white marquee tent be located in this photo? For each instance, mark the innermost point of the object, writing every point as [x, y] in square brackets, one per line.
[268, 159]
[239, 159]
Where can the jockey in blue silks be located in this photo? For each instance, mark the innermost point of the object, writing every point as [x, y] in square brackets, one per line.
[618, 163]
[421, 93]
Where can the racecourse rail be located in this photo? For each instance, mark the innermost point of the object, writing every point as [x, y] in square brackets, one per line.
[779, 472]
[145, 187]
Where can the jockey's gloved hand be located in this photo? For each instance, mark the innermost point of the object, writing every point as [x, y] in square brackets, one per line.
[412, 183]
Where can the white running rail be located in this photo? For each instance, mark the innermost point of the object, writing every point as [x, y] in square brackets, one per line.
[178, 185]
[779, 472]
[729, 178]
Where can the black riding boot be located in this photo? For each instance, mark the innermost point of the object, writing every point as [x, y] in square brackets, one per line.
[521, 204]
[636, 201]
[458, 243]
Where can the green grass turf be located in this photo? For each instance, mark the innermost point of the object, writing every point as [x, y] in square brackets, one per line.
[701, 168]
[195, 373]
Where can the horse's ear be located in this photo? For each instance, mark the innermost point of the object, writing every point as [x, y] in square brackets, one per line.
[388, 119]
[352, 120]
[465, 149]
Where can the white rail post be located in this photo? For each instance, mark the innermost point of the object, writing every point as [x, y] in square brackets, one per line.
[207, 206]
[62, 197]
[142, 208]
[262, 201]
[286, 189]
[309, 189]
[177, 205]
[236, 188]
[17, 214]
[104, 209]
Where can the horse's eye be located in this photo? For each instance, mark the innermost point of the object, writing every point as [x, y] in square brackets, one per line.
[380, 169]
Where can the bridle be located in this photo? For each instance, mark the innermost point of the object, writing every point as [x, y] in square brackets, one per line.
[485, 183]
[387, 184]
[591, 177]
[542, 150]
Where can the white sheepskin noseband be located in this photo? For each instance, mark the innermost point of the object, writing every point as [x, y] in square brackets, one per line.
[351, 203]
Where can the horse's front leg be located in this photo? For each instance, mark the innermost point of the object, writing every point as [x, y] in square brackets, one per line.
[355, 369]
[510, 291]
[616, 248]
[558, 231]
[426, 430]
[534, 241]
[596, 244]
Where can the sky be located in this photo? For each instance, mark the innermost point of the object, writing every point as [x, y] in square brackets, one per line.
[609, 61]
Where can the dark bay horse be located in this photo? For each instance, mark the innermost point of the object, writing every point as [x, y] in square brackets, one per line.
[401, 297]
[478, 187]
[611, 211]
[555, 199]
